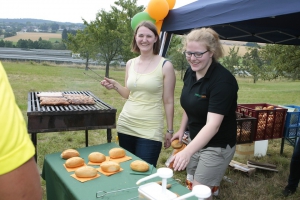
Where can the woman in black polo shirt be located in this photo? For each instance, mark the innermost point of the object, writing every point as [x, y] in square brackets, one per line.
[209, 100]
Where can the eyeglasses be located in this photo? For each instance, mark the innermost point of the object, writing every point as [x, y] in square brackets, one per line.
[196, 54]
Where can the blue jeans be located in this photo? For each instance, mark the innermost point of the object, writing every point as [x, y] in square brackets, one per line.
[147, 150]
[294, 176]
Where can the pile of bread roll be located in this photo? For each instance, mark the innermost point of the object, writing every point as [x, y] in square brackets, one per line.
[73, 160]
[112, 166]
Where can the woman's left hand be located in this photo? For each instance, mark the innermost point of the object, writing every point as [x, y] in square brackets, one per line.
[167, 142]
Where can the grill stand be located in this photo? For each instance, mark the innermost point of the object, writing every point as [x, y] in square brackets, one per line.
[34, 140]
[42, 119]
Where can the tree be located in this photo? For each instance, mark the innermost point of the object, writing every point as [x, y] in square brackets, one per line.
[2, 43]
[64, 34]
[35, 45]
[54, 27]
[232, 61]
[31, 44]
[44, 44]
[83, 44]
[22, 44]
[59, 46]
[253, 63]
[110, 34]
[176, 56]
[124, 11]
[8, 44]
[44, 27]
[285, 59]
[28, 24]
[9, 34]
[107, 38]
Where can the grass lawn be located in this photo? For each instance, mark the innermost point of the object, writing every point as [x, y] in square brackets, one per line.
[29, 76]
[53, 40]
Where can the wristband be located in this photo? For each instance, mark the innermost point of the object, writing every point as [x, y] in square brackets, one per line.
[170, 131]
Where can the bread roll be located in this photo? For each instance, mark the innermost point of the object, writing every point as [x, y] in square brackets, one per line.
[97, 157]
[139, 166]
[176, 144]
[110, 166]
[86, 172]
[74, 162]
[117, 153]
[69, 153]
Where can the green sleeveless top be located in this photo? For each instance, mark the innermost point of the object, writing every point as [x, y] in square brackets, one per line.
[143, 113]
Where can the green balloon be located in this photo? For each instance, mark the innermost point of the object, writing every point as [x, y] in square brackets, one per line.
[139, 17]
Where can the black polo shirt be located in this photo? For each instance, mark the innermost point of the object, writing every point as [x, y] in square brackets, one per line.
[216, 92]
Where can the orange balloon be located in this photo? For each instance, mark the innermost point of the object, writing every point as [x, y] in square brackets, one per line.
[171, 4]
[158, 9]
[158, 25]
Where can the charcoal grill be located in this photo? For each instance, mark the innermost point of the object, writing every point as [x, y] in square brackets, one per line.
[42, 119]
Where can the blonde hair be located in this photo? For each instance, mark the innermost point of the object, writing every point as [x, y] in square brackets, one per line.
[207, 36]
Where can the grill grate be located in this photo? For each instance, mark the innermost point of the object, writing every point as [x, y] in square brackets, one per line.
[69, 117]
[34, 106]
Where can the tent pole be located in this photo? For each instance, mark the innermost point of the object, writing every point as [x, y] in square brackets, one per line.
[165, 43]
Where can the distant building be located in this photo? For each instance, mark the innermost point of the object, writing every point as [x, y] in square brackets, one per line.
[75, 55]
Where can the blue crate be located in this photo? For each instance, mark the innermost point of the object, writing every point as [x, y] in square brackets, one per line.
[292, 122]
[292, 141]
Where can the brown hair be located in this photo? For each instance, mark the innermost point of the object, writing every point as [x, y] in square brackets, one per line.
[209, 37]
[151, 27]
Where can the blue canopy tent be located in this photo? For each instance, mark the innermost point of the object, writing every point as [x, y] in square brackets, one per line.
[261, 21]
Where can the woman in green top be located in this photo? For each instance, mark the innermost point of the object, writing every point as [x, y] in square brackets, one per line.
[149, 90]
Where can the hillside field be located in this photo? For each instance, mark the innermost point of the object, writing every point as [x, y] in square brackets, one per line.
[34, 36]
[57, 36]
[229, 44]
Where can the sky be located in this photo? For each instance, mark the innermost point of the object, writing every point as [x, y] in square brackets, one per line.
[63, 10]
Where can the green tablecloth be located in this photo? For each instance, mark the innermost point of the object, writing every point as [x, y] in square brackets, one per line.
[61, 186]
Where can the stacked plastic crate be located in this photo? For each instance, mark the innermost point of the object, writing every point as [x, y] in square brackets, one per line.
[292, 125]
[245, 128]
[270, 119]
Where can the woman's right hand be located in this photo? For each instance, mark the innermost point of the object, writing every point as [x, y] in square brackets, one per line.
[108, 83]
[178, 135]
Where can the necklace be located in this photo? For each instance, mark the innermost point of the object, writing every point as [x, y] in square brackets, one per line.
[137, 72]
